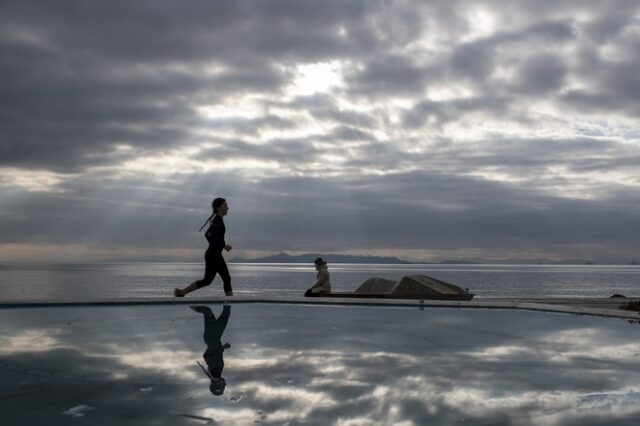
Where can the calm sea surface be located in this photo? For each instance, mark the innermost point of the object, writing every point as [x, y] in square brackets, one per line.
[97, 281]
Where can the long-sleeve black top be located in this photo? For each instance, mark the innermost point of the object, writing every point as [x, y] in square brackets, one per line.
[215, 234]
[213, 329]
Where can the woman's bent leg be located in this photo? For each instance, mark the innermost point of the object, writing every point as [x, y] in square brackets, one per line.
[223, 270]
[210, 270]
[209, 275]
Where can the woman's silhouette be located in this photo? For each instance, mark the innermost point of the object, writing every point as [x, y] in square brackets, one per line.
[213, 355]
[214, 262]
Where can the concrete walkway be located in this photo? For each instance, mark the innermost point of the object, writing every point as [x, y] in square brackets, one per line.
[584, 306]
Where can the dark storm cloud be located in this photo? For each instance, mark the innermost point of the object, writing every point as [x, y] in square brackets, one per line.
[345, 133]
[283, 151]
[419, 209]
[428, 211]
[519, 155]
[80, 78]
[610, 23]
[345, 117]
[439, 113]
[473, 60]
[55, 123]
[389, 74]
[476, 61]
[173, 31]
[603, 164]
[324, 107]
[614, 85]
[542, 74]
[248, 126]
[615, 89]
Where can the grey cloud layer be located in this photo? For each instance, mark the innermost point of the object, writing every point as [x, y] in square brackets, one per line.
[413, 211]
[82, 80]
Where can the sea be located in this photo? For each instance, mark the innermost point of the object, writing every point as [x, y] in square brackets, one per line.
[140, 280]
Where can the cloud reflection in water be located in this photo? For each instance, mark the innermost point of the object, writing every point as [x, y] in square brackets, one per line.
[323, 365]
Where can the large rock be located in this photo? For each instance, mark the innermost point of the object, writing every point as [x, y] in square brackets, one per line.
[376, 285]
[409, 285]
[422, 284]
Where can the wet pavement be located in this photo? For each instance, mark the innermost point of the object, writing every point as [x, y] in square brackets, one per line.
[290, 363]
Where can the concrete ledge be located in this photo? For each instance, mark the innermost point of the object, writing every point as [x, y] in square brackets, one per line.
[580, 306]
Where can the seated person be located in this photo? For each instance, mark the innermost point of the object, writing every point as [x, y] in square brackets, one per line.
[323, 281]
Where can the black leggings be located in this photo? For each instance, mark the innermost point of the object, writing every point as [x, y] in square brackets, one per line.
[215, 264]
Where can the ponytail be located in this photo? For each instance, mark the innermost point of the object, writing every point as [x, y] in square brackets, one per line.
[207, 221]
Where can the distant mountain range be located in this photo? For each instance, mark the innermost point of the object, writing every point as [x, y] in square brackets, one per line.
[517, 261]
[283, 257]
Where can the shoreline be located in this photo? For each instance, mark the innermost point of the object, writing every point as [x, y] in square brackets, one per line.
[605, 307]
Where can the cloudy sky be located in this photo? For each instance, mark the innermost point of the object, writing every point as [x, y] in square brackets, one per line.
[417, 129]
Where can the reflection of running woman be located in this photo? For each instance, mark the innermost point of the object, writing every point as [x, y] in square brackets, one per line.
[213, 329]
[214, 262]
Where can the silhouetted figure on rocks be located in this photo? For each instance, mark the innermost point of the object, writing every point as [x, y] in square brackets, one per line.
[214, 262]
[213, 356]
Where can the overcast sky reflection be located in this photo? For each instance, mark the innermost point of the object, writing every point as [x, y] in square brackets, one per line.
[338, 364]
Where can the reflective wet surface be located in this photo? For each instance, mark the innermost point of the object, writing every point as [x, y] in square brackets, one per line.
[302, 364]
